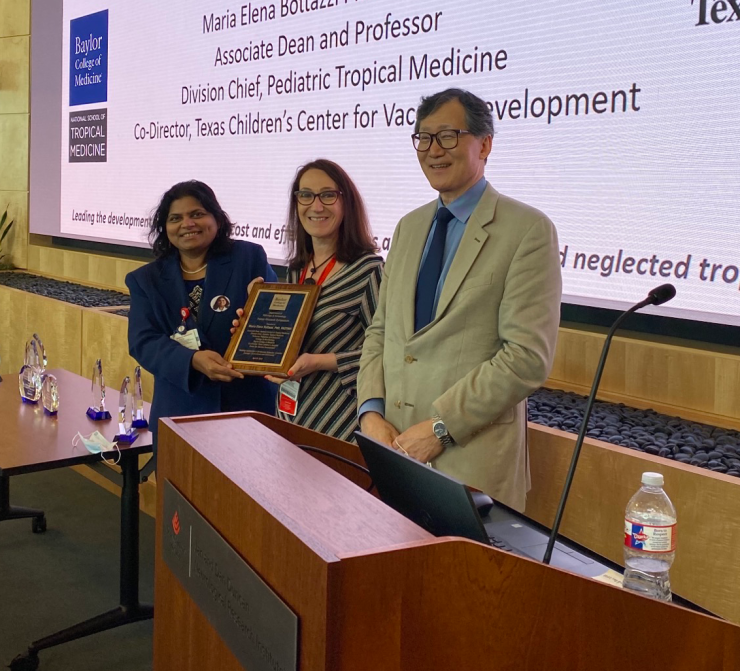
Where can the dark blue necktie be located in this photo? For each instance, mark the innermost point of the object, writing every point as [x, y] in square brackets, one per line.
[431, 269]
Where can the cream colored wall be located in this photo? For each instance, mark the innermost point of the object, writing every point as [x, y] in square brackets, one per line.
[15, 39]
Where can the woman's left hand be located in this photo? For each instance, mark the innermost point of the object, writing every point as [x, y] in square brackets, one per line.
[235, 323]
[305, 365]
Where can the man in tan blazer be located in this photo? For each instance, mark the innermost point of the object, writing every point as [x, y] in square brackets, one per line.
[452, 392]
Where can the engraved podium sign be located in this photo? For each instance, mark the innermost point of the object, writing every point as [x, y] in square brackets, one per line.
[254, 622]
[276, 318]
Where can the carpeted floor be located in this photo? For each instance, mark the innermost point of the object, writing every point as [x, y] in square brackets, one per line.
[70, 573]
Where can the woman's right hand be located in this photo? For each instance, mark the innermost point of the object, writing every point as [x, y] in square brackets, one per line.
[214, 366]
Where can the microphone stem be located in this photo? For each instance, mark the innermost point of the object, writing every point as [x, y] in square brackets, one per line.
[584, 428]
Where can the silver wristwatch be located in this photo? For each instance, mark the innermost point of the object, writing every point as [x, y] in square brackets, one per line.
[440, 430]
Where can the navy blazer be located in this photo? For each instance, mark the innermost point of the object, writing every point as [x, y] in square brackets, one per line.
[157, 295]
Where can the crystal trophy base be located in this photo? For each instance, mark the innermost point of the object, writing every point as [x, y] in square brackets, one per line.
[50, 394]
[29, 384]
[140, 424]
[97, 415]
[126, 438]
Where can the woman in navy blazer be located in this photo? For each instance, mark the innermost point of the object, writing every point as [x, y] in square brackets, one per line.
[197, 265]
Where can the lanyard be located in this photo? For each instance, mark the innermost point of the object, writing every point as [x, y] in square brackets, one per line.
[326, 272]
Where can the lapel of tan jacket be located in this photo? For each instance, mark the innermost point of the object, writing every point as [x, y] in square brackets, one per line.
[472, 242]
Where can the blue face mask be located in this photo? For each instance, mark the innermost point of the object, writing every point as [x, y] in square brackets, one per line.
[96, 443]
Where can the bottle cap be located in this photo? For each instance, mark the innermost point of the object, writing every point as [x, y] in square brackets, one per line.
[652, 479]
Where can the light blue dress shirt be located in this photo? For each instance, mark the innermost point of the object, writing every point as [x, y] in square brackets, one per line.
[461, 209]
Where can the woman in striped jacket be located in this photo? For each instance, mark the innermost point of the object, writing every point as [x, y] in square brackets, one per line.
[330, 244]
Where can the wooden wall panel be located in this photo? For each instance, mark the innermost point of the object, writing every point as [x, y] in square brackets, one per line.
[707, 505]
[688, 381]
[14, 147]
[15, 26]
[98, 270]
[16, 243]
[11, 333]
[105, 336]
[15, 17]
[74, 337]
[14, 71]
[58, 324]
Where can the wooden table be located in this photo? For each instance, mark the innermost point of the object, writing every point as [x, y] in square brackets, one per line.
[33, 441]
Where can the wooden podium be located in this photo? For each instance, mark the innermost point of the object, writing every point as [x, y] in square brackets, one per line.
[371, 590]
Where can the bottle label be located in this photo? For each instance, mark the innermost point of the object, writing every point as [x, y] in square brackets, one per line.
[649, 538]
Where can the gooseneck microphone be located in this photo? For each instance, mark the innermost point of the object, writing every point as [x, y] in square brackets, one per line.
[657, 296]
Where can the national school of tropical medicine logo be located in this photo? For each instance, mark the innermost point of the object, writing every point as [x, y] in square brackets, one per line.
[88, 59]
[88, 83]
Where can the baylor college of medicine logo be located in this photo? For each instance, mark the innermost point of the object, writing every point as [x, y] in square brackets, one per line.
[88, 59]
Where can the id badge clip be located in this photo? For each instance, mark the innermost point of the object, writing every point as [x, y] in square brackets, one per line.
[288, 397]
[186, 337]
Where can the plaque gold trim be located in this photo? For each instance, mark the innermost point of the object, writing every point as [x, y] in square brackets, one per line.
[271, 331]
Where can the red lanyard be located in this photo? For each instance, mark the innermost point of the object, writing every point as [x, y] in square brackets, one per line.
[323, 276]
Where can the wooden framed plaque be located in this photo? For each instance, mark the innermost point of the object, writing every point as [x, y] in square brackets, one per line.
[276, 318]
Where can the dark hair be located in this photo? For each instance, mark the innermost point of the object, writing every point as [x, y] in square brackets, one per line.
[478, 116]
[161, 246]
[354, 230]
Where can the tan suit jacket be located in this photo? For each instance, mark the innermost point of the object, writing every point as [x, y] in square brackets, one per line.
[489, 346]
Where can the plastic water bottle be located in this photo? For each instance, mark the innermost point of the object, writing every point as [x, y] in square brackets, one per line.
[649, 539]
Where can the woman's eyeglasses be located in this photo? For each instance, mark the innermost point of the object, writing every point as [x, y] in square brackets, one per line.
[305, 197]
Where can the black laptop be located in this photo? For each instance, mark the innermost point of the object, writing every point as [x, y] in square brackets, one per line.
[444, 507]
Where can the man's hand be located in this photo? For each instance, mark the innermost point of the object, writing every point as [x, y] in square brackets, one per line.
[214, 366]
[419, 442]
[378, 428]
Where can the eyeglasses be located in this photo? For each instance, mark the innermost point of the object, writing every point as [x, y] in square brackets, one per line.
[306, 197]
[447, 139]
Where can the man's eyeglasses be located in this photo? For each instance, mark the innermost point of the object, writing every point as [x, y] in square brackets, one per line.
[447, 139]
[305, 197]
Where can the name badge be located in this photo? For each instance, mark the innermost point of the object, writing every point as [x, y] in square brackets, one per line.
[288, 397]
[189, 339]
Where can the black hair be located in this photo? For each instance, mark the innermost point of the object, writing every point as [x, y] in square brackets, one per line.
[161, 245]
[478, 115]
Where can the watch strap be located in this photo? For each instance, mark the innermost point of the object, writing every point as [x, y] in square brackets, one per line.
[445, 438]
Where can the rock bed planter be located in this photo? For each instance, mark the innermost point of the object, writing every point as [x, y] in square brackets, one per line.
[644, 430]
[77, 294]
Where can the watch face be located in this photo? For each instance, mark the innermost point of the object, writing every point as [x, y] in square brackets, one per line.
[439, 430]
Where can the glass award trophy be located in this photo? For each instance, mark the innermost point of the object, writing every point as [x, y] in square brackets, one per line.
[139, 419]
[43, 362]
[50, 394]
[29, 377]
[126, 432]
[97, 410]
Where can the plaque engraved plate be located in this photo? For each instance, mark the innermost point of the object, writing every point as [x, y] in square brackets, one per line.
[275, 321]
